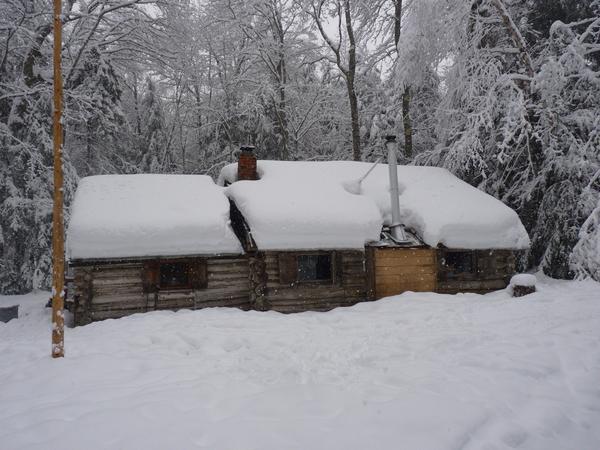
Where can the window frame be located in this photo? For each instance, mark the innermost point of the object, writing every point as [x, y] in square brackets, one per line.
[196, 269]
[178, 287]
[451, 272]
[328, 280]
[289, 268]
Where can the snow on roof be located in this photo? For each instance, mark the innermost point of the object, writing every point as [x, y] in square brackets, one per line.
[310, 205]
[149, 215]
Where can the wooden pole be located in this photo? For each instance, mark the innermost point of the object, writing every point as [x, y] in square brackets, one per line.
[58, 246]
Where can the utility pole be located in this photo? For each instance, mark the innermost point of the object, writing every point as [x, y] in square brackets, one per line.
[58, 245]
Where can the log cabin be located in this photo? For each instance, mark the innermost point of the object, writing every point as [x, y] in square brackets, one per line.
[285, 236]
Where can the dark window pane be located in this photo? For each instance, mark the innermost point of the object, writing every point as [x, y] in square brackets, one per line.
[174, 275]
[323, 267]
[459, 262]
[314, 267]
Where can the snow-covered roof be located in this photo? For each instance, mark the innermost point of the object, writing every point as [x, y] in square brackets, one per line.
[315, 205]
[149, 215]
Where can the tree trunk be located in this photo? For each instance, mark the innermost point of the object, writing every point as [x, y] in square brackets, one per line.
[350, 84]
[281, 70]
[406, 95]
[355, 119]
[283, 123]
[408, 138]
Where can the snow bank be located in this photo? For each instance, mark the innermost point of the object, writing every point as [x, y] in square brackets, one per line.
[306, 205]
[149, 215]
[418, 371]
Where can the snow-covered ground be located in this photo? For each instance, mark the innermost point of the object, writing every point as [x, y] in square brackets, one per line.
[418, 371]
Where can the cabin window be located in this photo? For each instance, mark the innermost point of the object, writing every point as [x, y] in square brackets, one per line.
[314, 267]
[459, 262]
[309, 267]
[174, 275]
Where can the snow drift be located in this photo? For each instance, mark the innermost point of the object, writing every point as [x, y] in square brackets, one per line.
[417, 371]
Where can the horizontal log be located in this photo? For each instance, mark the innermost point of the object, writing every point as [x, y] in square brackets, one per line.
[108, 313]
[205, 295]
[175, 304]
[302, 294]
[271, 259]
[116, 272]
[119, 298]
[227, 268]
[221, 293]
[226, 261]
[175, 293]
[236, 284]
[180, 303]
[272, 263]
[353, 272]
[355, 292]
[118, 290]
[139, 307]
[115, 283]
[229, 303]
[232, 302]
[329, 284]
[353, 260]
[323, 307]
[467, 286]
[80, 272]
[225, 276]
[313, 302]
[101, 276]
[272, 274]
[355, 283]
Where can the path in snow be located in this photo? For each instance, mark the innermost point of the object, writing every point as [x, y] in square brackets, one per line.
[418, 371]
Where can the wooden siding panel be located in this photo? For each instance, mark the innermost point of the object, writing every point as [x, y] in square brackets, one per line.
[398, 270]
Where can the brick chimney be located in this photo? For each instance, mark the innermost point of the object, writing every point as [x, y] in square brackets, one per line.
[247, 163]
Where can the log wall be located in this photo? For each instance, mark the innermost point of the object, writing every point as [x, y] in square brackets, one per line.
[491, 271]
[112, 290]
[347, 287]
[261, 281]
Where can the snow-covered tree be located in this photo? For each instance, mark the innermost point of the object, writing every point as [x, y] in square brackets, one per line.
[585, 259]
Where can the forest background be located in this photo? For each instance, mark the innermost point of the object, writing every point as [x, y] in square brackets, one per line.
[503, 93]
